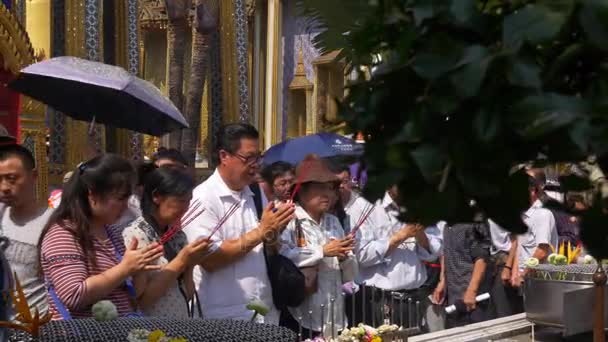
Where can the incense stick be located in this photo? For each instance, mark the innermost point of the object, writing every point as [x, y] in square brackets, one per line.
[178, 224]
[364, 215]
[224, 218]
[168, 237]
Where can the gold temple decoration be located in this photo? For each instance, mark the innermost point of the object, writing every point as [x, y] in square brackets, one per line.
[15, 46]
[153, 15]
[27, 322]
[300, 102]
[77, 132]
[230, 91]
[122, 136]
[17, 52]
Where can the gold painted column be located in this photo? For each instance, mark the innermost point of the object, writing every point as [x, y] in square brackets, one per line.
[33, 136]
[121, 58]
[77, 137]
[230, 92]
[273, 107]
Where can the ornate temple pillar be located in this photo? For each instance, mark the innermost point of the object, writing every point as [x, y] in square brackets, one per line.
[127, 55]
[233, 51]
[80, 17]
[134, 66]
[273, 107]
[33, 136]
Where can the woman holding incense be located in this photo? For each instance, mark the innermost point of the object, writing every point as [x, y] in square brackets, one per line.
[83, 258]
[316, 243]
[165, 200]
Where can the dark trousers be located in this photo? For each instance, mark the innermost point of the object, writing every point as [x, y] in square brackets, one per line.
[481, 313]
[372, 306]
[286, 320]
[505, 299]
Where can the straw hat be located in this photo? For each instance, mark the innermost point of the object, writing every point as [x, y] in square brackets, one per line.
[313, 169]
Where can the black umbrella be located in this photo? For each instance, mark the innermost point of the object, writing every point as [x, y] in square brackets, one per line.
[92, 91]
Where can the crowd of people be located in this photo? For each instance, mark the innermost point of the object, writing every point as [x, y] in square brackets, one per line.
[154, 243]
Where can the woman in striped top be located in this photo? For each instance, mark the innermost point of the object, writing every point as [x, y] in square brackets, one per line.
[83, 259]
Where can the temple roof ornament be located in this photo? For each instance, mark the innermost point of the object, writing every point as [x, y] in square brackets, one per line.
[250, 8]
[299, 78]
[153, 15]
[15, 46]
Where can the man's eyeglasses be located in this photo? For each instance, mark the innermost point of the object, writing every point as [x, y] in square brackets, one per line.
[251, 160]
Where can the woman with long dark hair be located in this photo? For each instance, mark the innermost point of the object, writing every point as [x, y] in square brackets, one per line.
[83, 258]
[166, 197]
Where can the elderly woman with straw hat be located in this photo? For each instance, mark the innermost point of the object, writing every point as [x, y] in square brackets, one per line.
[315, 242]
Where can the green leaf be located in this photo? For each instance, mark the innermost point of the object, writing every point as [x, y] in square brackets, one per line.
[562, 61]
[486, 125]
[473, 67]
[432, 66]
[524, 73]
[593, 17]
[431, 161]
[463, 10]
[423, 9]
[533, 23]
[538, 115]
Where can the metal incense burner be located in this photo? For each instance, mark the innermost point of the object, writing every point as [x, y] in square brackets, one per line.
[561, 296]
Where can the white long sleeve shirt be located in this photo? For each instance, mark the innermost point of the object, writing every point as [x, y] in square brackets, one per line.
[402, 269]
[541, 231]
[225, 293]
[331, 272]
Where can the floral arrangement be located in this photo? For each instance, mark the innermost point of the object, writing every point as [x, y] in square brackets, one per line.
[143, 335]
[360, 333]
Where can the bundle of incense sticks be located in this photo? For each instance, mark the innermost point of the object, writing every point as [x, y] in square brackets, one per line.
[364, 215]
[190, 216]
[224, 218]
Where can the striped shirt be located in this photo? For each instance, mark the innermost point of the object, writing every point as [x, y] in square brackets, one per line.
[64, 266]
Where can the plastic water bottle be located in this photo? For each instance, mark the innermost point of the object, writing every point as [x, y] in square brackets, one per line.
[461, 308]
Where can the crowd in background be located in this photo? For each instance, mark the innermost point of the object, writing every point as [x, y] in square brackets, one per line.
[155, 243]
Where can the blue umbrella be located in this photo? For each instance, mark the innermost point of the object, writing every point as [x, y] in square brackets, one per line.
[106, 94]
[322, 144]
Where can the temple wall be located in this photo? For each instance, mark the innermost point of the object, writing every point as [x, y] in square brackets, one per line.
[296, 36]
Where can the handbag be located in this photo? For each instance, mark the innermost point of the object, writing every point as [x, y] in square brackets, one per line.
[287, 281]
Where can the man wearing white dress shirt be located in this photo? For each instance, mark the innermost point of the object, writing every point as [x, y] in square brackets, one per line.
[542, 229]
[390, 256]
[234, 273]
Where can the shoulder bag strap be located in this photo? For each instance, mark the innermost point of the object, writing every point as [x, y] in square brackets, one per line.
[63, 311]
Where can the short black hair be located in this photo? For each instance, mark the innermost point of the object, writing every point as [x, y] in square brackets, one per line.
[229, 138]
[276, 169]
[15, 150]
[170, 154]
